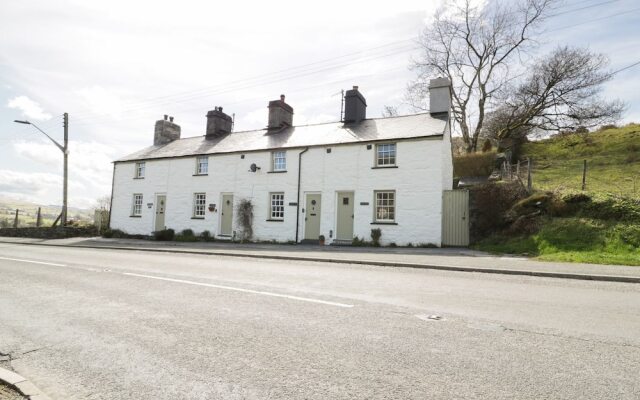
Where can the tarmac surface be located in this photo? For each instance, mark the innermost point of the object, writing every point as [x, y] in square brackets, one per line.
[85, 323]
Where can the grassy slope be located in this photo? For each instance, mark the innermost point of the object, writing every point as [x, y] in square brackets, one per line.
[613, 161]
[28, 212]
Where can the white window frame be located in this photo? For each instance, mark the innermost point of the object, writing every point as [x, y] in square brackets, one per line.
[199, 205]
[278, 161]
[276, 206]
[202, 165]
[136, 205]
[140, 170]
[384, 207]
[386, 154]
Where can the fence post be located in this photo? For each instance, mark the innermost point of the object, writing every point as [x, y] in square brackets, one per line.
[529, 183]
[584, 175]
[15, 221]
[38, 218]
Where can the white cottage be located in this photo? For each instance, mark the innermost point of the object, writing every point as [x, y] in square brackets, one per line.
[339, 180]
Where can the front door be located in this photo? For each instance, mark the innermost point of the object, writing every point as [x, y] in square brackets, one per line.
[312, 217]
[344, 230]
[161, 204]
[226, 225]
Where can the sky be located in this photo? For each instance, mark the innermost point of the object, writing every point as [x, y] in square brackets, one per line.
[118, 66]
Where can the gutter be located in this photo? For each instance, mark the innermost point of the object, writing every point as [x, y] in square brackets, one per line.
[298, 202]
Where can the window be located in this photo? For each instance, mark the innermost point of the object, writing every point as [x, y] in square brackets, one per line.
[385, 206]
[136, 208]
[202, 165]
[279, 161]
[385, 155]
[199, 203]
[139, 170]
[277, 206]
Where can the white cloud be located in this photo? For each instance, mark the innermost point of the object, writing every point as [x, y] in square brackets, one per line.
[29, 108]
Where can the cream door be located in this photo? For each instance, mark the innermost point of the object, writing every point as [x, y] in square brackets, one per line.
[344, 229]
[312, 217]
[226, 224]
[161, 205]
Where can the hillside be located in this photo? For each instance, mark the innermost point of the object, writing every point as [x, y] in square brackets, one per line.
[613, 161]
[28, 212]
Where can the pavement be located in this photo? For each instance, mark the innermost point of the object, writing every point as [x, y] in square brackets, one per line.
[87, 323]
[451, 259]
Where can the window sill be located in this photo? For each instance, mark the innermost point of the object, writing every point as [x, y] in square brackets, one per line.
[384, 223]
[197, 217]
[200, 174]
[276, 172]
[138, 177]
[384, 166]
[275, 220]
[135, 216]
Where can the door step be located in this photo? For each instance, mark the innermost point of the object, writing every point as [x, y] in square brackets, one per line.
[338, 242]
[309, 241]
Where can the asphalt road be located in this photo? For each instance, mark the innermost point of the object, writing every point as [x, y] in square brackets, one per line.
[105, 324]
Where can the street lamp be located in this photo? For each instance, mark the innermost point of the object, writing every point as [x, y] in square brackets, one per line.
[65, 150]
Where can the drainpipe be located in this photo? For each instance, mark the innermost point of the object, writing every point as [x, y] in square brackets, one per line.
[298, 203]
[113, 181]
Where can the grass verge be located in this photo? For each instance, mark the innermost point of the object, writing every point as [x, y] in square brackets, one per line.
[574, 239]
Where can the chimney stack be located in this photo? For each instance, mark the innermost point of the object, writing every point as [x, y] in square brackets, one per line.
[165, 131]
[280, 114]
[439, 96]
[218, 123]
[355, 106]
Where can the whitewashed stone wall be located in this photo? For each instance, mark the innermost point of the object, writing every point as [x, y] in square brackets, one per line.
[423, 171]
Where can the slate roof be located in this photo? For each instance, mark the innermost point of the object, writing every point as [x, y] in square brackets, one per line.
[394, 128]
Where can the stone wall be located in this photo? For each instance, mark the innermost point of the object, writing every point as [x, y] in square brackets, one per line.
[48, 232]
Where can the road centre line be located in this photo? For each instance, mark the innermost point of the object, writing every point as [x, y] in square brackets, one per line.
[285, 296]
[33, 262]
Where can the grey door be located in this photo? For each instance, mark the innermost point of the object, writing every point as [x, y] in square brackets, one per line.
[312, 217]
[161, 205]
[455, 218]
[344, 229]
[226, 223]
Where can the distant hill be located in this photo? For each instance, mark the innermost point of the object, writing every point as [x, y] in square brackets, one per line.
[28, 212]
[613, 161]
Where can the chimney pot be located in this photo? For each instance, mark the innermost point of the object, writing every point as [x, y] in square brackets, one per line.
[355, 88]
[171, 119]
[281, 97]
[165, 117]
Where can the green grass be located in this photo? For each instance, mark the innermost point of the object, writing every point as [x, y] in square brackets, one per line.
[574, 240]
[613, 161]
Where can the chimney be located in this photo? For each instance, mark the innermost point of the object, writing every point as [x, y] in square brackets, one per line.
[355, 106]
[439, 96]
[165, 131]
[218, 123]
[280, 114]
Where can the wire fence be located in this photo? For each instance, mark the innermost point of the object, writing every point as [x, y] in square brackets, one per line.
[594, 175]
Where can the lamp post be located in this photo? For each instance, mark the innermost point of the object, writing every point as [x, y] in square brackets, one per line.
[65, 150]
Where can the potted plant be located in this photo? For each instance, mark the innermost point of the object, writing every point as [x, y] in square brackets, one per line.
[321, 240]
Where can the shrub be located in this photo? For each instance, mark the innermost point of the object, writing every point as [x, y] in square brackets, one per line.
[428, 245]
[245, 218]
[628, 234]
[184, 238]
[608, 126]
[187, 232]
[164, 235]
[206, 236]
[489, 204]
[393, 244]
[375, 236]
[486, 146]
[357, 242]
[474, 164]
[118, 234]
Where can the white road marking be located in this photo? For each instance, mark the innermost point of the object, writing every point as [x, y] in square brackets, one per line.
[286, 296]
[33, 262]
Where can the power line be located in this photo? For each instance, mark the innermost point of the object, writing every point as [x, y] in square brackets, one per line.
[594, 20]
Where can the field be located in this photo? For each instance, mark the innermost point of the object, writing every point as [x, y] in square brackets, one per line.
[613, 161]
[28, 212]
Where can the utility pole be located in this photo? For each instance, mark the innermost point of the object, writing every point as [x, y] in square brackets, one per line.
[39, 218]
[15, 221]
[66, 169]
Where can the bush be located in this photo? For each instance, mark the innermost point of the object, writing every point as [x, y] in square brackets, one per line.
[115, 233]
[428, 245]
[186, 238]
[393, 244]
[375, 236]
[474, 164]
[357, 242]
[164, 235]
[489, 204]
[245, 219]
[206, 236]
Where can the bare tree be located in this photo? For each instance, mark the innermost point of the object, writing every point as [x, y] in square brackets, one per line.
[474, 46]
[389, 111]
[103, 203]
[562, 92]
